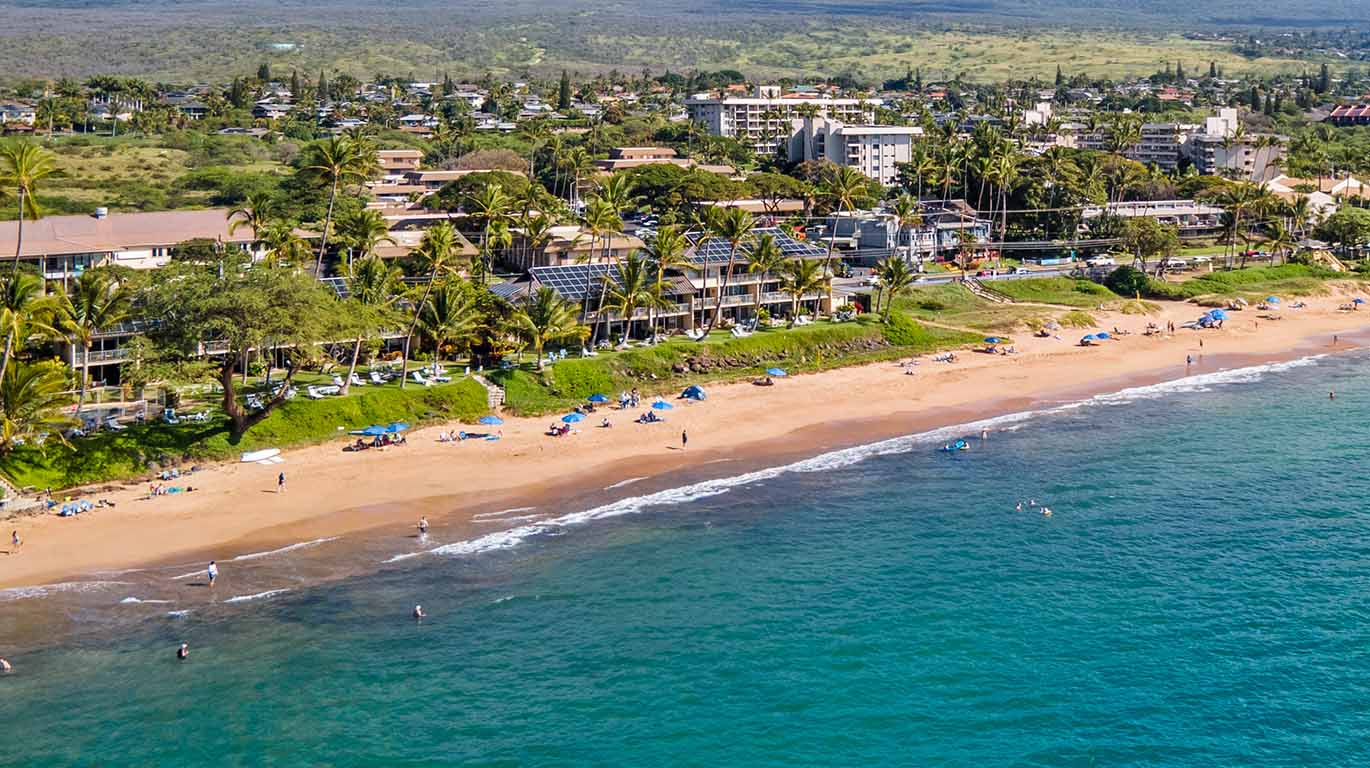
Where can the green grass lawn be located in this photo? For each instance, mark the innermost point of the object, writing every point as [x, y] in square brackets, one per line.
[123, 455]
[1251, 284]
[1064, 291]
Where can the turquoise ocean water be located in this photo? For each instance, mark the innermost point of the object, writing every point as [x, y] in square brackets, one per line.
[1199, 597]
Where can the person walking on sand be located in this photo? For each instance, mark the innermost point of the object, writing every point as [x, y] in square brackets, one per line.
[213, 572]
[15, 541]
[423, 526]
[684, 439]
[280, 483]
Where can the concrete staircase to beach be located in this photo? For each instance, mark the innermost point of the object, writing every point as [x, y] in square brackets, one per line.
[494, 393]
[985, 292]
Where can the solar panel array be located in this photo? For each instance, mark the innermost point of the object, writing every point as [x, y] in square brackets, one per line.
[569, 281]
[714, 252]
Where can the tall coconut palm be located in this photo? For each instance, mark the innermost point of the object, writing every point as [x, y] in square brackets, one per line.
[764, 259]
[907, 216]
[488, 208]
[631, 291]
[23, 166]
[258, 212]
[452, 314]
[801, 276]
[1005, 170]
[601, 221]
[23, 310]
[544, 316]
[33, 401]
[97, 302]
[338, 161]
[734, 225]
[372, 288]
[284, 246]
[1279, 239]
[362, 232]
[895, 276]
[436, 255]
[842, 186]
[666, 252]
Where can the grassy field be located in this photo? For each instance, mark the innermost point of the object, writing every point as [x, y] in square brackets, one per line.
[123, 455]
[1055, 290]
[954, 305]
[1252, 284]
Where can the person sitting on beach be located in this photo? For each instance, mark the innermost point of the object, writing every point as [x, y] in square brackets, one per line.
[183, 652]
[418, 612]
[605, 424]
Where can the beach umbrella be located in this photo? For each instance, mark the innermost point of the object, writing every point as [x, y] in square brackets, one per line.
[1358, 301]
[598, 398]
[493, 421]
[1272, 299]
[693, 392]
[1089, 337]
[572, 418]
[662, 405]
[375, 430]
[777, 372]
[1102, 335]
[1217, 314]
[396, 426]
[993, 340]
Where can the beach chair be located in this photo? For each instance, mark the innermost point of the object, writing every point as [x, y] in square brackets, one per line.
[356, 380]
[338, 381]
[419, 379]
[313, 392]
[376, 378]
[440, 375]
[113, 425]
[169, 416]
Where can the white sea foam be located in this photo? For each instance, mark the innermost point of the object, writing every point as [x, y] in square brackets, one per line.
[622, 483]
[509, 538]
[201, 572]
[514, 519]
[139, 601]
[258, 596]
[26, 593]
[282, 550]
[502, 513]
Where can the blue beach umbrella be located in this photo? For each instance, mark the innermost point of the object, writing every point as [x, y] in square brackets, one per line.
[1272, 299]
[693, 392]
[1358, 301]
[598, 398]
[776, 372]
[491, 420]
[572, 418]
[1089, 337]
[662, 405]
[375, 430]
[1217, 314]
[1102, 335]
[396, 426]
[993, 340]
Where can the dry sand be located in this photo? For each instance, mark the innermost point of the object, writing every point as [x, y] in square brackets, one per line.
[329, 493]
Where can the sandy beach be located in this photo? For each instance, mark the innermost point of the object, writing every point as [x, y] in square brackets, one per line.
[236, 507]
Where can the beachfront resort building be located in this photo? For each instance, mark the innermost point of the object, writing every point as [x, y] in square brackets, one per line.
[764, 121]
[874, 150]
[691, 292]
[1190, 217]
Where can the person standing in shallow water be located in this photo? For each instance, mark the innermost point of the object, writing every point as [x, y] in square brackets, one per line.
[213, 571]
[684, 439]
[183, 652]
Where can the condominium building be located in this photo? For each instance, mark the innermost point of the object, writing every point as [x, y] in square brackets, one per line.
[1162, 144]
[764, 121]
[874, 150]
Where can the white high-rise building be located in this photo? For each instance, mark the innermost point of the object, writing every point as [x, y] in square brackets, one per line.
[875, 150]
[764, 121]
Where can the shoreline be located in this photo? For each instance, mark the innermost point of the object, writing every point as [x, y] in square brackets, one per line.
[336, 495]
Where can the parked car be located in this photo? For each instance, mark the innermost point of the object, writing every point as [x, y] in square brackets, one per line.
[1021, 271]
[1102, 261]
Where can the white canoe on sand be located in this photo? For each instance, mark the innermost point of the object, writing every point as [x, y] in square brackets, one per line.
[263, 455]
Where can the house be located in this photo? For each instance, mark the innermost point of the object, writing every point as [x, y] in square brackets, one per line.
[632, 157]
[397, 162]
[17, 114]
[568, 244]
[270, 110]
[1190, 217]
[1349, 114]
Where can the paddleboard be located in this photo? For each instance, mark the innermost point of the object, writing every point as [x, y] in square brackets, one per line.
[262, 455]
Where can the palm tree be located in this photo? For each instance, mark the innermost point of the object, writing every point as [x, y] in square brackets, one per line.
[33, 401]
[632, 291]
[362, 232]
[666, 251]
[1124, 134]
[23, 165]
[258, 212]
[1005, 169]
[453, 314]
[488, 208]
[895, 276]
[764, 259]
[907, 216]
[98, 302]
[842, 187]
[601, 221]
[734, 225]
[372, 287]
[1279, 239]
[617, 192]
[544, 316]
[436, 253]
[801, 276]
[23, 309]
[284, 246]
[337, 160]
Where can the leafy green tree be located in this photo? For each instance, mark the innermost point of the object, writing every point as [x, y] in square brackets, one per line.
[800, 277]
[338, 161]
[453, 313]
[437, 256]
[258, 213]
[241, 309]
[1127, 281]
[735, 226]
[24, 311]
[895, 276]
[765, 258]
[1349, 227]
[372, 291]
[1146, 237]
[666, 252]
[631, 292]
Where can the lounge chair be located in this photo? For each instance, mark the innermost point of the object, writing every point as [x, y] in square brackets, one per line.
[440, 375]
[356, 380]
[419, 379]
[169, 416]
[113, 425]
[376, 378]
[338, 381]
[314, 393]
